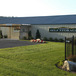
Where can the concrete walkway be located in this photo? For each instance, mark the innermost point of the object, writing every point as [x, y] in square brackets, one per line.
[6, 43]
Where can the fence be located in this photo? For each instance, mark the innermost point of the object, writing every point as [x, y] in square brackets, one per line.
[70, 47]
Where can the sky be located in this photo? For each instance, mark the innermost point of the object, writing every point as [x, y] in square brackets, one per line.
[26, 8]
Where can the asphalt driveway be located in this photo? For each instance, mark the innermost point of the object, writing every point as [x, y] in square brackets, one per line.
[4, 43]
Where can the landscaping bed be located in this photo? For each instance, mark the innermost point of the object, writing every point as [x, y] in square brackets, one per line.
[66, 65]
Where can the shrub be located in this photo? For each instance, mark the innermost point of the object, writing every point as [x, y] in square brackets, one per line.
[30, 35]
[61, 40]
[29, 38]
[60, 63]
[1, 36]
[56, 40]
[24, 38]
[38, 34]
[72, 58]
[51, 39]
[45, 39]
[75, 40]
[5, 36]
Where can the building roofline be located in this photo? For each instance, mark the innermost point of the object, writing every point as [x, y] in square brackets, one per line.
[58, 19]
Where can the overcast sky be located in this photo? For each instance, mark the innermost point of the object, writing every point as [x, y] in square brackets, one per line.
[24, 8]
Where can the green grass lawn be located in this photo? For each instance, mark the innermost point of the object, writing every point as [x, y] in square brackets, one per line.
[33, 60]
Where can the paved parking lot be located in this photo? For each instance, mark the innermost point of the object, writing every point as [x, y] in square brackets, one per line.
[5, 43]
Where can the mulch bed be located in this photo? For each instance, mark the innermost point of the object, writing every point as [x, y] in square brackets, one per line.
[60, 67]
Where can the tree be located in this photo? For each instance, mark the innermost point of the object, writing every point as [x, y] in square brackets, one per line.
[29, 35]
[38, 34]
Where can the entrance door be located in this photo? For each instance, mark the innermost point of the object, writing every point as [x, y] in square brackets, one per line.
[24, 32]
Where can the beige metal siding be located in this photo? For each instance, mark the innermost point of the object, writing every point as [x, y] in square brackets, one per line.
[44, 30]
[9, 31]
[14, 34]
[5, 30]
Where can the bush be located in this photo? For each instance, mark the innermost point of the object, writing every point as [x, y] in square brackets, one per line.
[75, 40]
[56, 40]
[38, 35]
[29, 38]
[1, 36]
[30, 35]
[24, 38]
[72, 58]
[61, 40]
[5, 36]
[45, 39]
[60, 63]
[51, 39]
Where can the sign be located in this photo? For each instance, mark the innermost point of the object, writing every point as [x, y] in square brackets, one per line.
[17, 28]
[62, 29]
